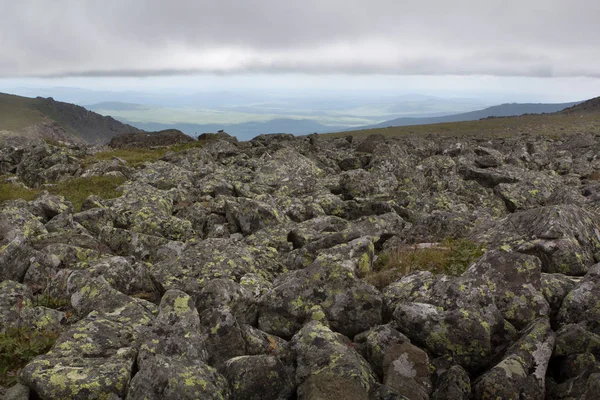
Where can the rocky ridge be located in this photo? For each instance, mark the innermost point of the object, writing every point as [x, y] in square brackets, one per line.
[236, 270]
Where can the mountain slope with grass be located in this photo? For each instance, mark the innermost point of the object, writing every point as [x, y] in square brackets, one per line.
[50, 119]
[581, 118]
[503, 110]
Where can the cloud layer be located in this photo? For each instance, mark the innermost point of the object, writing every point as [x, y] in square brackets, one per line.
[431, 37]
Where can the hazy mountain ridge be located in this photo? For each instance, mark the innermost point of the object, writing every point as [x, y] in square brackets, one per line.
[502, 110]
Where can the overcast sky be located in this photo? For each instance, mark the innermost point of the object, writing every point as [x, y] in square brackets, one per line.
[555, 39]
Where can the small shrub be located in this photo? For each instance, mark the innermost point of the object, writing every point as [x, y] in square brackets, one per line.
[78, 189]
[594, 176]
[451, 257]
[18, 346]
[48, 301]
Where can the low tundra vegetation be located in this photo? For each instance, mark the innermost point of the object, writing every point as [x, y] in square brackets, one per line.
[18, 346]
[75, 190]
[78, 189]
[10, 191]
[450, 257]
[137, 156]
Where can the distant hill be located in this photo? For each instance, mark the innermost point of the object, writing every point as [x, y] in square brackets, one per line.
[583, 118]
[503, 110]
[47, 118]
[589, 106]
[246, 130]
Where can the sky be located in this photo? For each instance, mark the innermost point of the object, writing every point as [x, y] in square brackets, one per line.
[544, 49]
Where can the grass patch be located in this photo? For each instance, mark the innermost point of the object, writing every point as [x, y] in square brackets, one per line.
[9, 191]
[18, 347]
[451, 257]
[78, 189]
[137, 156]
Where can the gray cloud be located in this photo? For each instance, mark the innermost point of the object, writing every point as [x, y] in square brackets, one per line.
[435, 37]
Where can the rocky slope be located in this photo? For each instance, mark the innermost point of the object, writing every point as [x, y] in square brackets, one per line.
[236, 271]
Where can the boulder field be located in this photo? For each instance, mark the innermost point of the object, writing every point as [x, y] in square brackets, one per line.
[238, 270]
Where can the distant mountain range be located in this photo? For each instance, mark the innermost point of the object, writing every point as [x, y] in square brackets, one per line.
[503, 110]
[45, 117]
[245, 130]
[248, 130]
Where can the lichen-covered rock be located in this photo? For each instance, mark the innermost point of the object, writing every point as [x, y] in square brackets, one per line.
[581, 304]
[93, 359]
[490, 177]
[48, 206]
[406, 369]
[226, 292]
[350, 305]
[291, 173]
[374, 344]
[328, 367]
[165, 379]
[258, 377]
[574, 339]
[222, 334]
[172, 356]
[488, 158]
[565, 238]
[210, 259]
[15, 218]
[574, 363]
[584, 386]
[555, 288]
[454, 317]
[143, 247]
[514, 282]
[18, 310]
[16, 392]
[249, 215]
[43, 163]
[356, 256]
[453, 384]
[137, 139]
[164, 176]
[360, 184]
[522, 372]
[95, 294]
[15, 258]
